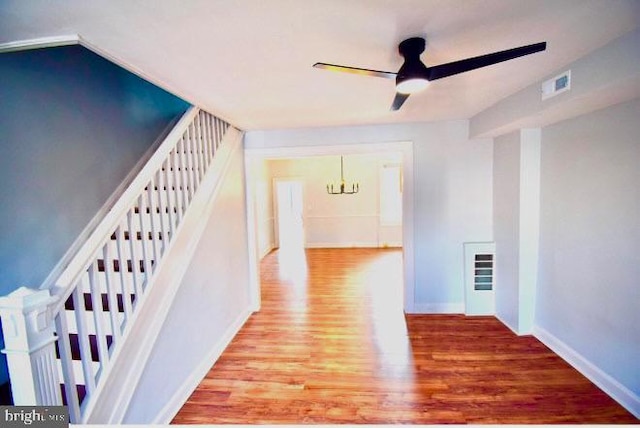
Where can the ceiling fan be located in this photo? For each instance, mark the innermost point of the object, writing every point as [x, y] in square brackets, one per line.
[413, 75]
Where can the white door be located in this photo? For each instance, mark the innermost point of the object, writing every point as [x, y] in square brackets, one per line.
[289, 209]
[479, 273]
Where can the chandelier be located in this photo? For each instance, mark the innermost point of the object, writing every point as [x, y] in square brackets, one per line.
[342, 189]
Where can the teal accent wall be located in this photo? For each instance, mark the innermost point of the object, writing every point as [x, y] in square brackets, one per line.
[72, 125]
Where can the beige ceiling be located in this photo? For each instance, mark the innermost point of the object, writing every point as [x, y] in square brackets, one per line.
[249, 61]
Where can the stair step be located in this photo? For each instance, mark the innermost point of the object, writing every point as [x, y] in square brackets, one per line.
[138, 236]
[155, 188]
[116, 266]
[178, 169]
[88, 303]
[136, 210]
[74, 342]
[81, 390]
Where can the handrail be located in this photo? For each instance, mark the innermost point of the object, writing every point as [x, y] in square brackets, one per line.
[100, 289]
[88, 250]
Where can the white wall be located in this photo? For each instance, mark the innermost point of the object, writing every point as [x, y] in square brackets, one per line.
[452, 195]
[506, 226]
[516, 208]
[588, 297]
[212, 303]
[333, 221]
[260, 188]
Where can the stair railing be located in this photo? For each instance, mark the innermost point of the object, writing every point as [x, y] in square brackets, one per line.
[59, 341]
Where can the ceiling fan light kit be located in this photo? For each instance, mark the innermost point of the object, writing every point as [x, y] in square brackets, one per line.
[413, 76]
[411, 86]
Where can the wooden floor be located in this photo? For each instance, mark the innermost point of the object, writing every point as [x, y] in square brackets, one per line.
[331, 345]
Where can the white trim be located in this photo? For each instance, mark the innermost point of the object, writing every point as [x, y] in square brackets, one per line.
[509, 326]
[337, 149]
[266, 251]
[361, 244]
[252, 238]
[351, 216]
[40, 43]
[623, 395]
[176, 402]
[438, 308]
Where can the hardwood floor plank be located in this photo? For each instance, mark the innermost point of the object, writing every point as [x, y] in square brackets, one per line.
[331, 345]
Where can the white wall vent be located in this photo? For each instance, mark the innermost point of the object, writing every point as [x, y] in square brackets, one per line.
[557, 85]
[479, 273]
[483, 272]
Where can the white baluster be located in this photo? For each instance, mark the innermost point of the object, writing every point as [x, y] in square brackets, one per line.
[161, 213]
[66, 361]
[212, 140]
[207, 137]
[187, 167]
[194, 157]
[144, 234]
[151, 207]
[112, 298]
[125, 286]
[28, 328]
[133, 252]
[166, 166]
[83, 339]
[177, 193]
[200, 129]
[216, 136]
[220, 132]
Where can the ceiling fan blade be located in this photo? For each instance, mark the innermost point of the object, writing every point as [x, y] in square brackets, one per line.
[449, 69]
[398, 100]
[355, 70]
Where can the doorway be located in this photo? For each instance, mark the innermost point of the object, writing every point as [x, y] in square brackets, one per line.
[259, 154]
[289, 203]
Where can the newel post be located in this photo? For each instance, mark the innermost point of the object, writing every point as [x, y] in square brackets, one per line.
[28, 329]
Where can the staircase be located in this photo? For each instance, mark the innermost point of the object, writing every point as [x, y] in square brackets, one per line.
[68, 344]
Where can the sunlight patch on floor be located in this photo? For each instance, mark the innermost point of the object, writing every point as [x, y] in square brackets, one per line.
[383, 280]
[293, 269]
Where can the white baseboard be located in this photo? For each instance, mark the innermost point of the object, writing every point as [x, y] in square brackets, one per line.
[173, 406]
[438, 308]
[508, 325]
[266, 251]
[623, 395]
[341, 245]
[41, 43]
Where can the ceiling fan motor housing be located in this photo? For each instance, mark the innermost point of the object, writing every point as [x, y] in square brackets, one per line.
[412, 68]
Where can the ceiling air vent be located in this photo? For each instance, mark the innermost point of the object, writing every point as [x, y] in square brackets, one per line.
[557, 85]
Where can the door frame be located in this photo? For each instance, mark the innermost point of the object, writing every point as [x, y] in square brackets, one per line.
[408, 248]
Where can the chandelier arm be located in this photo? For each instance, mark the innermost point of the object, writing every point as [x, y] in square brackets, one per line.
[355, 187]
